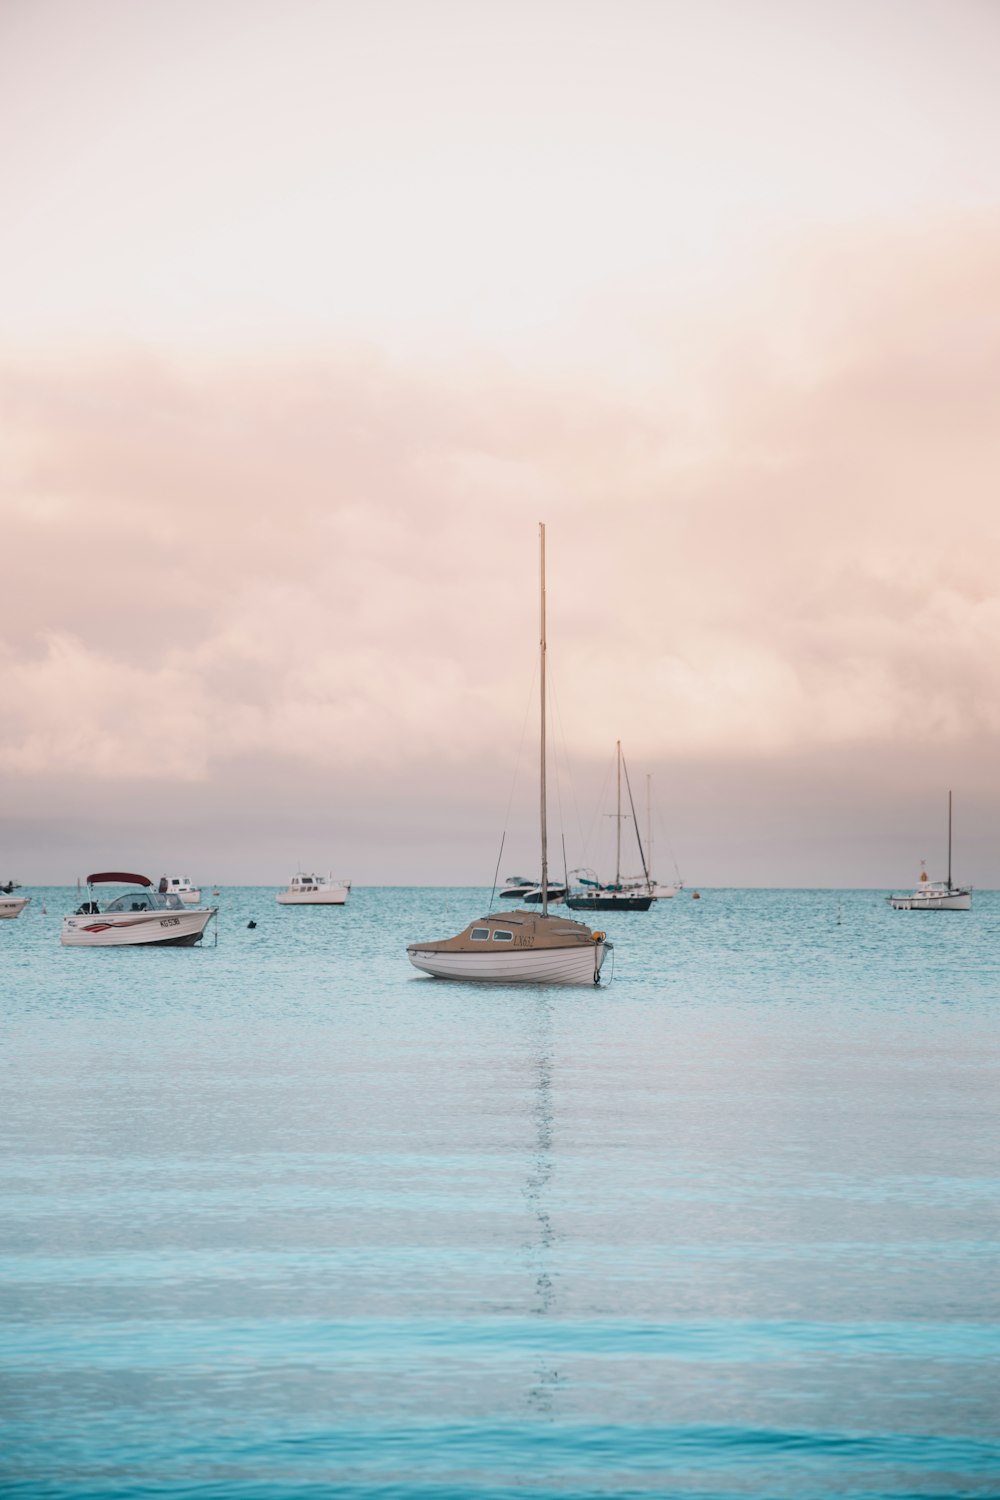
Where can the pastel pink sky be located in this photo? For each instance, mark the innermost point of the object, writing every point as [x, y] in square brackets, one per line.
[309, 312]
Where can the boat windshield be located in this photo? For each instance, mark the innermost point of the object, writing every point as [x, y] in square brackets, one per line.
[145, 901]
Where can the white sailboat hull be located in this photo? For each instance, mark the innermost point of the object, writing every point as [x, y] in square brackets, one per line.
[566, 965]
[955, 900]
[13, 906]
[131, 929]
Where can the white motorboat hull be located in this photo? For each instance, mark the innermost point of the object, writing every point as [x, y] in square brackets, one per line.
[664, 892]
[179, 929]
[13, 906]
[336, 896]
[190, 898]
[565, 965]
[933, 901]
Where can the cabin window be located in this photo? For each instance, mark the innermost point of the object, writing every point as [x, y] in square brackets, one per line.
[480, 934]
[503, 937]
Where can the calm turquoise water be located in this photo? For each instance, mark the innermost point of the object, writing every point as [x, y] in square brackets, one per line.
[283, 1217]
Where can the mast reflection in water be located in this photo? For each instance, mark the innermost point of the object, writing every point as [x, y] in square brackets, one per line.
[540, 1247]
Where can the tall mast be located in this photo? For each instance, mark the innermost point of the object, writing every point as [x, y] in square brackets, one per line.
[949, 841]
[618, 822]
[649, 826]
[542, 809]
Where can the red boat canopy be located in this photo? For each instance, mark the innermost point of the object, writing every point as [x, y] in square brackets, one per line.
[113, 877]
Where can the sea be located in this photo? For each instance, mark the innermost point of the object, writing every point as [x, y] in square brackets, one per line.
[282, 1217]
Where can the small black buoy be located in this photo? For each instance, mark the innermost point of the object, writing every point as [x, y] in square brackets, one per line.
[251, 924]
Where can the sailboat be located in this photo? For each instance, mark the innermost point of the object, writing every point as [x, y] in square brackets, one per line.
[936, 895]
[521, 947]
[657, 891]
[620, 895]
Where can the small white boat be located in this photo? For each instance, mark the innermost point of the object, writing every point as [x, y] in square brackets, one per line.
[556, 895]
[935, 895]
[13, 906]
[180, 885]
[520, 947]
[314, 890]
[516, 887]
[141, 916]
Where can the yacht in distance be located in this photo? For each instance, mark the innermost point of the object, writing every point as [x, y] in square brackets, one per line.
[180, 885]
[619, 894]
[314, 890]
[556, 894]
[935, 895]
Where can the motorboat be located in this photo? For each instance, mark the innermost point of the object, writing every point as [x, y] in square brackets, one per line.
[13, 906]
[619, 894]
[556, 893]
[935, 895]
[521, 947]
[142, 915]
[314, 890]
[180, 885]
[516, 887]
[9, 887]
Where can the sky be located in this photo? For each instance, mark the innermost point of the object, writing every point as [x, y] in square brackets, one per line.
[310, 311]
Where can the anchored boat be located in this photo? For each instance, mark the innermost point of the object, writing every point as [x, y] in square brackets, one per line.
[935, 895]
[521, 947]
[618, 895]
[314, 890]
[180, 885]
[140, 916]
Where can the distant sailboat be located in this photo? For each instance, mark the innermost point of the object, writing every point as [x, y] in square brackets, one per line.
[621, 895]
[520, 947]
[936, 895]
[657, 891]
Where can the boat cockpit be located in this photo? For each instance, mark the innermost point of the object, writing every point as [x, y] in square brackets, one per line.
[133, 901]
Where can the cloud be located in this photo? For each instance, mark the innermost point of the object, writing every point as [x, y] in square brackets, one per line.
[772, 534]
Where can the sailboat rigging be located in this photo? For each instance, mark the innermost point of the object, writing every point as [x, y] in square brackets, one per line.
[618, 895]
[521, 947]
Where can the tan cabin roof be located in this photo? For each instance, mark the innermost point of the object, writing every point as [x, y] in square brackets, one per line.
[529, 929]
